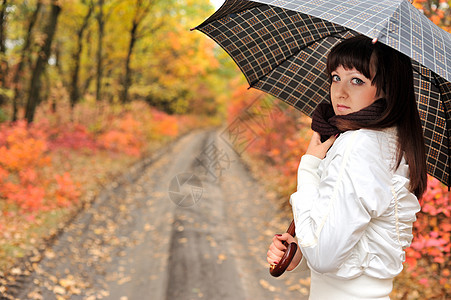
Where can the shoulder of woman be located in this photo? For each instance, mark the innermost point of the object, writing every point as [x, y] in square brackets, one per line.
[357, 138]
[367, 143]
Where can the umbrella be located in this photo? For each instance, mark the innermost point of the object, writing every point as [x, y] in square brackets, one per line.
[281, 47]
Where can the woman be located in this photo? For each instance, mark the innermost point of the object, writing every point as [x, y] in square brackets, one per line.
[357, 189]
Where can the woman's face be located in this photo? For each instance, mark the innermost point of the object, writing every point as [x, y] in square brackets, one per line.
[350, 91]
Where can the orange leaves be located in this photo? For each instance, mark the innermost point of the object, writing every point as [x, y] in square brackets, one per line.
[24, 159]
[437, 11]
[163, 125]
[167, 127]
[32, 182]
[128, 134]
[20, 149]
[22, 156]
[28, 197]
[67, 191]
[119, 141]
[436, 19]
[125, 135]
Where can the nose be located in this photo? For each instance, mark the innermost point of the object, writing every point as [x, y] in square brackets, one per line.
[339, 91]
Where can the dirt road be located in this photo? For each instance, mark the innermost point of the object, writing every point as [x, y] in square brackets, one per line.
[190, 223]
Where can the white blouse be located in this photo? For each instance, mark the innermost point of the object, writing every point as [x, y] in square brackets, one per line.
[353, 210]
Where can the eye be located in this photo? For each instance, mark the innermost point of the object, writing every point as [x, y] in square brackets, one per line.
[357, 81]
[335, 78]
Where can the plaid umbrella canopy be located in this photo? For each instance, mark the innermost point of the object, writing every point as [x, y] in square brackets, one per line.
[281, 47]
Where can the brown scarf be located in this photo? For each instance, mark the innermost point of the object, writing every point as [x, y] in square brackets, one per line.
[324, 120]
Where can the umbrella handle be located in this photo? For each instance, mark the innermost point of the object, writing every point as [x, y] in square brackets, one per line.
[280, 268]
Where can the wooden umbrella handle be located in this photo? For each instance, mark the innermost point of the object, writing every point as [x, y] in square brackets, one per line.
[280, 268]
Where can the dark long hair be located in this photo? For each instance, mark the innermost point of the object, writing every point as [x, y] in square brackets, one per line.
[393, 77]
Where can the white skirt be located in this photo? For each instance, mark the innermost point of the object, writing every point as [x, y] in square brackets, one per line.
[363, 287]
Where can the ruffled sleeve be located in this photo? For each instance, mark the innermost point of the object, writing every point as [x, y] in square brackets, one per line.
[332, 208]
[405, 206]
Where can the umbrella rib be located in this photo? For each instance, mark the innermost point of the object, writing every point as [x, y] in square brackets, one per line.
[251, 84]
[432, 79]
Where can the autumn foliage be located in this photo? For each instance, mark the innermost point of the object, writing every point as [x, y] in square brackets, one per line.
[438, 11]
[28, 178]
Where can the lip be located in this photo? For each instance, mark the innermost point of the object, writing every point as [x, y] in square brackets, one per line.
[341, 107]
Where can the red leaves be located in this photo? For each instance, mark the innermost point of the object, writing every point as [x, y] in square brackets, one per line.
[431, 243]
[67, 191]
[29, 198]
[32, 182]
[71, 136]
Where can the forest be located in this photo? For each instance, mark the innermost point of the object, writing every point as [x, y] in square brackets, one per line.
[90, 87]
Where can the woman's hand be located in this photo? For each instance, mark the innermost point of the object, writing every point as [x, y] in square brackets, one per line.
[277, 249]
[318, 149]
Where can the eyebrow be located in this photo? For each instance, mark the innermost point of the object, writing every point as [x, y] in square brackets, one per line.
[350, 73]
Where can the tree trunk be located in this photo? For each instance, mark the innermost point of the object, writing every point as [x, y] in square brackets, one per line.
[91, 74]
[21, 64]
[3, 61]
[41, 62]
[101, 24]
[142, 8]
[128, 73]
[74, 93]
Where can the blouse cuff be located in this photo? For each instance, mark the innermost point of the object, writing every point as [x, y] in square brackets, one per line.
[308, 170]
[309, 161]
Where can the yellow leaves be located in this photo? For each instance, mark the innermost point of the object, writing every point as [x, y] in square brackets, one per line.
[174, 41]
[212, 241]
[148, 227]
[181, 61]
[59, 290]
[124, 280]
[50, 254]
[266, 285]
[183, 240]
[221, 258]
[16, 271]
[299, 288]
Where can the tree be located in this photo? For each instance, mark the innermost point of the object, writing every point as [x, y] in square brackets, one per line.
[3, 58]
[101, 24]
[119, 50]
[22, 60]
[74, 94]
[42, 61]
[140, 11]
